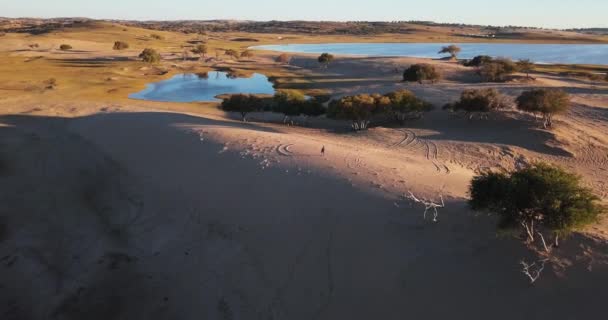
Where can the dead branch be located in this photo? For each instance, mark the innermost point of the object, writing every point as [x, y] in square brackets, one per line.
[534, 270]
[428, 205]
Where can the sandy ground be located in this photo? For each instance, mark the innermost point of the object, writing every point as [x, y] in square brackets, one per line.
[120, 209]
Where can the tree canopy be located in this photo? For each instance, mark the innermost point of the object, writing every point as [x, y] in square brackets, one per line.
[243, 104]
[150, 56]
[535, 199]
[479, 100]
[546, 102]
[420, 73]
[325, 59]
[497, 70]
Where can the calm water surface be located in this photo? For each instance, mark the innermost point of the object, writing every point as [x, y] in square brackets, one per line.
[203, 87]
[539, 53]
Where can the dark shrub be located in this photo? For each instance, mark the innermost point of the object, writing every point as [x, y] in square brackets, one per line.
[478, 61]
[150, 56]
[243, 104]
[156, 37]
[479, 100]
[497, 70]
[120, 45]
[201, 50]
[546, 102]
[536, 199]
[325, 59]
[453, 50]
[247, 54]
[420, 73]
[526, 66]
[293, 103]
[405, 105]
[359, 109]
[283, 58]
[65, 47]
[232, 53]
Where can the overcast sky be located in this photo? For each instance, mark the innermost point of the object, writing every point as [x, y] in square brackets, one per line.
[540, 13]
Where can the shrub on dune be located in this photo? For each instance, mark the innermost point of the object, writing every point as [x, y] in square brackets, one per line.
[420, 73]
[120, 45]
[546, 102]
[497, 70]
[283, 58]
[474, 101]
[359, 109]
[150, 56]
[243, 104]
[478, 61]
[537, 200]
[325, 59]
[453, 50]
[293, 103]
[65, 47]
[405, 105]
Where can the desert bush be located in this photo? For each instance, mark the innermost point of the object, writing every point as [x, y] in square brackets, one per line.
[243, 104]
[420, 73]
[325, 59]
[34, 46]
[50, 83]
[156, 36]
[546, 102]
[201, 50]
[120, 45]
[359, 109]
[232, 53]
[405, 105]
[497, 70]
[150, 56]
[247, 54]
[526, 66]
[453, 50]
[534, 200]
[479, 101]
[293, 103]
[2, 34]
[65, 47]
[478, 61]
[283, 58]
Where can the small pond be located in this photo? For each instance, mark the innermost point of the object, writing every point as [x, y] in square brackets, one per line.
[204, 87]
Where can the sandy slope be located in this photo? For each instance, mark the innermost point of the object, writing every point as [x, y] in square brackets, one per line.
[118, 209]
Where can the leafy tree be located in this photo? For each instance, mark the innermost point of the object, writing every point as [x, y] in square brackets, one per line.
[200, 49]
[243, 104]
[359, 109]
[479, 101]
[283, 58]
[65, 47]
[547, 102]
[247, 54]
[497, 70]
[535, 200]
[453, 50]
[420, 73]
[150, 56]
[405, 105]
[526, 66]
[293, 103]
[478, 61]
[120, 45]
[325, 59]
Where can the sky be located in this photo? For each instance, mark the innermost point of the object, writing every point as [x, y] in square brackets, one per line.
[537, 13]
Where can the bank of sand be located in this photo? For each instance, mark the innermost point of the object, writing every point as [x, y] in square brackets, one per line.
[118, 209]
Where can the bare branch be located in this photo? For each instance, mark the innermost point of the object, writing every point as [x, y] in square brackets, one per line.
[428, 205]
[534, 270]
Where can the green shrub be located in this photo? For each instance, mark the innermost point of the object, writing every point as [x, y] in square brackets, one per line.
[405, 105]
[293, 103]
[546, 102]
[534, 200]
[325, 59]
[497, 70]
[201, 50]
[120, 45]
[65, 47]
[420, 73]
[359, 109]
[150, 56]
[478, 61]
[243, 104]
[479, 100]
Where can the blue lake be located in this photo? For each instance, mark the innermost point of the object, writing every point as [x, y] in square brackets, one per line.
[539, 53]
[203, 87]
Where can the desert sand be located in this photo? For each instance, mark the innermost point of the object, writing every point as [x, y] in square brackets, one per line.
[122, 209]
